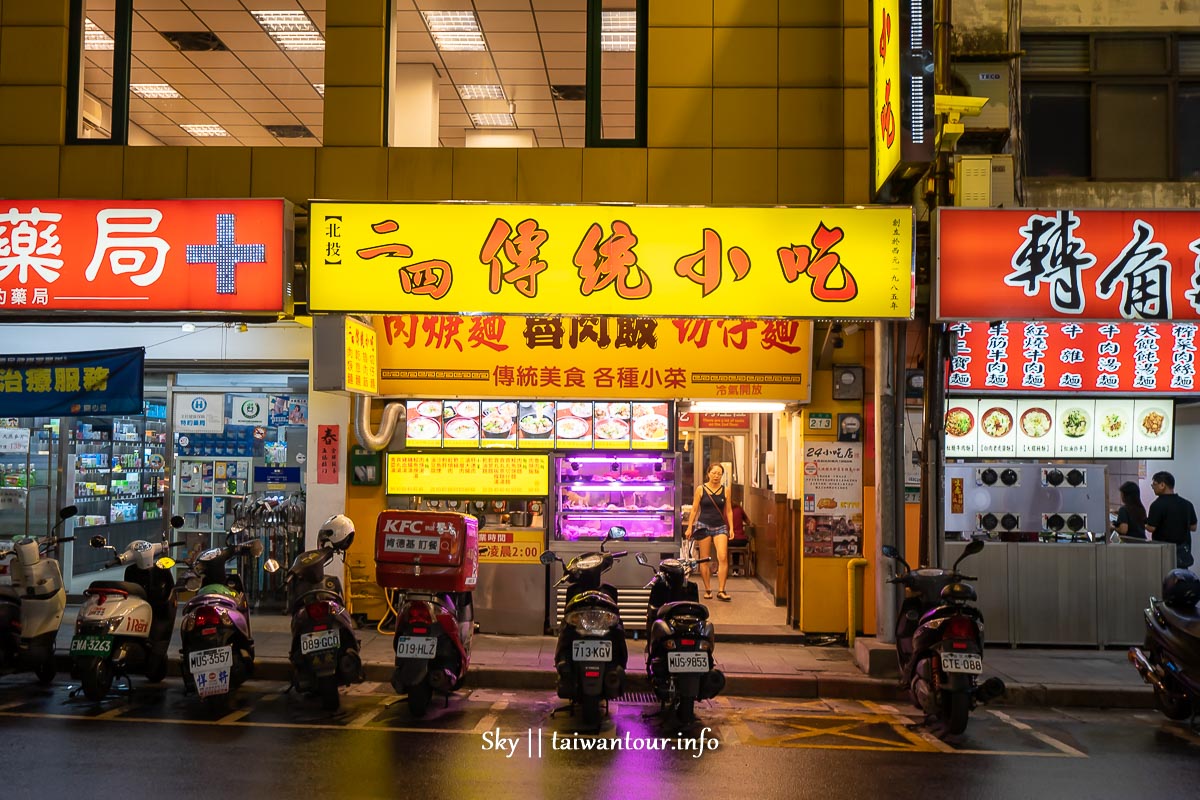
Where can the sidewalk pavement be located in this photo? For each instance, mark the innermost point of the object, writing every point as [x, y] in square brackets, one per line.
[1079, 677]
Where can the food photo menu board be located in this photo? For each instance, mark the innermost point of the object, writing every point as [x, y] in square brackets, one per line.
[538, 425]
[1064, 427]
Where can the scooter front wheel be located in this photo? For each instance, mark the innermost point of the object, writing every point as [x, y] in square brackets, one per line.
[418, 698]
[96, 675]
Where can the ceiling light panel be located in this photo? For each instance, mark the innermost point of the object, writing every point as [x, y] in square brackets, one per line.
[205, 131]
[94, 38]
[618, 31]
[291, 30]
[481, 91]
[455, 30]
[154, 91]
[320, 87]
[493, 121]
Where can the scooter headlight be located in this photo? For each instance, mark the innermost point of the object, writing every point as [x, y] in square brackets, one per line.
[592, 621]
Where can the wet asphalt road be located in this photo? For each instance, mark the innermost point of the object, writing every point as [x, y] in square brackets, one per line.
[157, 742]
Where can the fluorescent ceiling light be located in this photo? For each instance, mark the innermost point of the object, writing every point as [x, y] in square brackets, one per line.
[94, 38]
[455, 30]
[291, 30]
[154, 91]
[493, 121]
[735, 407]
[618, 31]
[481, 91]
[205, 131]
[320, 87]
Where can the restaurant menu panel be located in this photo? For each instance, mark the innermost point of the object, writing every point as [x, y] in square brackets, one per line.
[1064, 427]
[469, 474]
[538, 425]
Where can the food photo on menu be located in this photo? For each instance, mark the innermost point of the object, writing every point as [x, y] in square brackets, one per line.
[650, 422]
[461, 423]
[498, 423]
[424, 421]
[610, 424]
[535, 423]
[1035, 422]
[573, 424]
[959, 421]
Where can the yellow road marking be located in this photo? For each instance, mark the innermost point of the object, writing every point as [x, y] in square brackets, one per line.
[234, 716]
[901, 725]
[236, 723]
[113, 712]
[485, 724]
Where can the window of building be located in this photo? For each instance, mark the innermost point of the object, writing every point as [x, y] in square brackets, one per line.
[197, 72]
[521, 73]
[1111, 106]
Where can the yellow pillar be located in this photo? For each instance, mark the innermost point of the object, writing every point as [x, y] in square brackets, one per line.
[33, 71]
[356, 73]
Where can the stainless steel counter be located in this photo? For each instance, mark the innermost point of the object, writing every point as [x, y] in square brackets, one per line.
[511, 598]
[1065, 594]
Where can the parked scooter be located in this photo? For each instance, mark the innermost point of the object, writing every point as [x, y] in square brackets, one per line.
[325, 649]
[32, 608]
[217, 653]
[679, 639]
[126, 626]
[1170, 659]
[591, 654]
[433, 645]
[939, 643]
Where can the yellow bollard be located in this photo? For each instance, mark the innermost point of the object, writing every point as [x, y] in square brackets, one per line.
[852, 597]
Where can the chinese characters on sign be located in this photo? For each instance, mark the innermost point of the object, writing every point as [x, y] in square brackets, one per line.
[1051, 357]
[473, 475]
[500, 259]
[362, 368]
[511, 547]
[328, 453]
[886, 89]
[87, 382]
[135, 255]
[833, 504]
[1064, 264]
[584, 357]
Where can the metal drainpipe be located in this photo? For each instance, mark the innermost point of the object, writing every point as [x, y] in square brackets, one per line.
[852, 600]
[362, 423]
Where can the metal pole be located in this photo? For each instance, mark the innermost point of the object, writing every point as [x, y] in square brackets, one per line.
[886, 445]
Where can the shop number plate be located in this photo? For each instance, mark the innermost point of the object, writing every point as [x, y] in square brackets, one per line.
[591, 650]
[962, 662]
[320, 640]
[91, 645]
[687, 662]
[416, 646]
[205, 660]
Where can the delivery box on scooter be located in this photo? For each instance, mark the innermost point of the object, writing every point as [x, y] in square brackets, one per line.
[435, 551]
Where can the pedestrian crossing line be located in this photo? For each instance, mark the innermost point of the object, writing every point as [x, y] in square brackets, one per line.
[1045, 738]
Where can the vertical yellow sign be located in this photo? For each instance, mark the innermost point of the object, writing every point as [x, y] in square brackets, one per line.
[885, 88]
[362, 358]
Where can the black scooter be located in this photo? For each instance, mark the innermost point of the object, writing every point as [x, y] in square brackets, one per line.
[679, 640]
[939, 643]
[591, 653]
[1170, 659]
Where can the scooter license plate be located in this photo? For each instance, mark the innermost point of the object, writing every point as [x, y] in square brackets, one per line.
[971, 663]
[217, 658]
[319, 640]
[687, 662]
[596, 650]
[416, 646]
[91, 645]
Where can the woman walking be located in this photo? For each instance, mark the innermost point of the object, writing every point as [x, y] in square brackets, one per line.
[709, 524]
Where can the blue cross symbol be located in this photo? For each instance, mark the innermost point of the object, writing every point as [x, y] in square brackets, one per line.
[226, 254]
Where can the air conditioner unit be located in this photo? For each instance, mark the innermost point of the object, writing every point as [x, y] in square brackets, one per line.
[984, 181]
[95, 114]
[988, 79]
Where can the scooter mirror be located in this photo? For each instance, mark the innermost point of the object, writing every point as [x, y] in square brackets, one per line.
[974, 547]
[176, 521]
[98, 541]
[256, 548]
[67, 512]
[271, 565]
[616, 532]
[192, 583]
[548, 557]
[641, 559]
[890, 551]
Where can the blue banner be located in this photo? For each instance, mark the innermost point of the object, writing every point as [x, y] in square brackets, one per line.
[104, 382]
[276, 475]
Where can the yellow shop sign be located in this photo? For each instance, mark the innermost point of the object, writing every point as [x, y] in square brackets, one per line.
[452, 258]
[885, 87]
[432, 355]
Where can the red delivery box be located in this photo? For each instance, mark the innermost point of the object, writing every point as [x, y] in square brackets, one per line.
[435, 551]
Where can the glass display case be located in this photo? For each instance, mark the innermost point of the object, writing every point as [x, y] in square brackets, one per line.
[594, 491]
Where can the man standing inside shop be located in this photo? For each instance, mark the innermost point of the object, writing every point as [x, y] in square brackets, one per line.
[1171, 518]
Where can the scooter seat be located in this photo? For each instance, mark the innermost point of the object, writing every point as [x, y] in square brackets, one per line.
[1187, 621]
[682, 608]
[131, 589]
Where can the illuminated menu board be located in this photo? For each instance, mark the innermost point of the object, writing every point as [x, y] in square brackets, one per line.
[1064, 427]
[469, 474]
[538, 425]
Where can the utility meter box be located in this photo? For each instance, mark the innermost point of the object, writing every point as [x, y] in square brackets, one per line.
[431, 551]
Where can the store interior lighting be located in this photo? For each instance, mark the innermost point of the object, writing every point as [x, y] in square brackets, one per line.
[735, 407]
[94, 38]
[291, 30]
[618, 31]
[455, 30]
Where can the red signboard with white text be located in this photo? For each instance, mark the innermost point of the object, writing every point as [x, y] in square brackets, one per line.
[230, 257]
[1092, 357]
[1037, 264]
